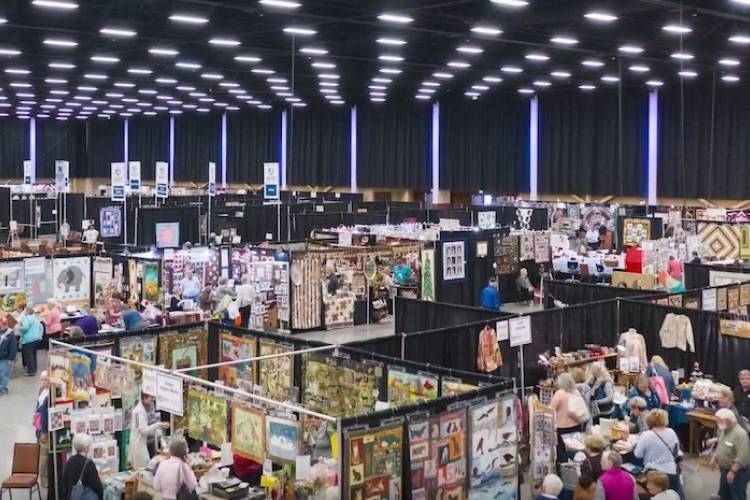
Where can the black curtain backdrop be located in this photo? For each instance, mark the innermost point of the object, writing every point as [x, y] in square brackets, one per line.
[719, 355]
[196, 143]
[14, 147]
[484, 144]
[581, 293]
[4, 206]
[105, 143]
[252, 139]
[393, 145]
[319, 147]
[581, 140]
[148, 142]
[59, 140]
[413, 315]
[188, 217]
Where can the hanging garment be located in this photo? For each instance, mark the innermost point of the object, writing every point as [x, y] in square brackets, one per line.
[677, 332]
[489, 357]
[635, 346]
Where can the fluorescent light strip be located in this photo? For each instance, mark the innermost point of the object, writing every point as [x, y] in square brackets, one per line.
[533, 148]
[653, 145]
[435, 151]
[353, 150]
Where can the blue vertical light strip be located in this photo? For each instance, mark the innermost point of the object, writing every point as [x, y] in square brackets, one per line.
[32, 147]
[435, 150]
[126, 126]
[533, 148]
[282, 157]
[353, 150]
[224, 150]
[653, 145]
[171, 150]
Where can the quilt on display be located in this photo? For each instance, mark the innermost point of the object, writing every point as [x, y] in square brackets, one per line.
[374, 460]
[526, 246]
[541, 247]
[72, 280]
[720, 241]
[506, 254]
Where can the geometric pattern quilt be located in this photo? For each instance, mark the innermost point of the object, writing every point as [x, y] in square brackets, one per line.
[721, 241]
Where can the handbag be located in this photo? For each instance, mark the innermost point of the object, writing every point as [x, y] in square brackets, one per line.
[657, 382]
[182, 493]
[80, 491]
[577, 409]
[675, 455]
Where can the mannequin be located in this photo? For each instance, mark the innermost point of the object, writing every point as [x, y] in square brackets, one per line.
[635, 346]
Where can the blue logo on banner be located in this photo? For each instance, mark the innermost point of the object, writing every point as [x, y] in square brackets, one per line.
[118, 192]
[135, 184]
[161, 189]
[271, 190]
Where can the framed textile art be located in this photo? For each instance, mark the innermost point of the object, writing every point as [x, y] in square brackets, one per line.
[428, 274]
[37, 280]
[234, 348]
[634, 230]
[720, 241]
[405, 388]
[151, 281]
[454, 267]
[454, 387]
[248, 432]
[283, 439]
[11, 277]
[185, 350]
[374, 463]
[277, 374]
[110, 222]
[207, 417]
[72, 280]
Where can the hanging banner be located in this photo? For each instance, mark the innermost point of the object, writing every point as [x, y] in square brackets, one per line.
[62, 176]
[134, 175]
[169, 393]
[271, 181]
[118, 181]
[162, 179]
[103, 267]
[211, 178]
[29, 173]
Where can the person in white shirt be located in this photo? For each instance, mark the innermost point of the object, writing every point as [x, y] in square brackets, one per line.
[190, 286]
[592, 238]
[90, 235]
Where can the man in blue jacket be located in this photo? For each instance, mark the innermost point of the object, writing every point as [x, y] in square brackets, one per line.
[8, 351]
[490, 296]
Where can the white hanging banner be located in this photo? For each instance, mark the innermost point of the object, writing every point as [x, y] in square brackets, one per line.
[118, 181]
[520, 331]
[62, 176]
[211, 178]
[169, 393]
[29, 173]
[162, 179]
[134, 175]
[271, 181]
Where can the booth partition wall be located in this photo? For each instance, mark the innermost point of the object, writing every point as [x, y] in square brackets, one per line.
[558, 141]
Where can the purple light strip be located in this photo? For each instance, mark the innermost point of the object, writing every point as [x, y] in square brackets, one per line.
[171, 150]
[32, 148]
[353, 150]
[283, 150]
[653, 145]
[533, 148]
[126, 126]
[435, 151]
[224, 150]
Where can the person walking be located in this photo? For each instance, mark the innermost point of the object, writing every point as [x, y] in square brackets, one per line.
[80, 469]
[32, 332]
[732, 455]
[8, 351]
[491, 296]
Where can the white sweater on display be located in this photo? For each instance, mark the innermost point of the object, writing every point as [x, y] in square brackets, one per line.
[677, 332]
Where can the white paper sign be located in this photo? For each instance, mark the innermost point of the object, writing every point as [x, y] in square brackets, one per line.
[271, 181]
[709, 299]
[486, 220]
[302, 469]
[62, 176]
[29, 173]
[118, 181]
[345, 239]
[149, 382]
[169, 393]
[134, 175]
[211, 178]
[162, 179]
[520, 331]
[501, 329]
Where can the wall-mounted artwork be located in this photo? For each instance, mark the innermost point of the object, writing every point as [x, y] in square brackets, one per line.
[234, 348]
[11, 277]
[110, 222]
[207, 417]
[72, 280]
[635, 230]
[283, 438]
[277, 374]
[454, 260]
[406, 388]
[167, 234]
[248, 432]
[374, 463]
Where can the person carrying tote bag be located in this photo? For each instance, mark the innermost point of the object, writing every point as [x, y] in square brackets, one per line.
[174, 478]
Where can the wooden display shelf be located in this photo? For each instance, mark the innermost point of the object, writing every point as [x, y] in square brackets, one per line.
[562, 366]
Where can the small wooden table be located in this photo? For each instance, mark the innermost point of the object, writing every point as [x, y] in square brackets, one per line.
[697, 420]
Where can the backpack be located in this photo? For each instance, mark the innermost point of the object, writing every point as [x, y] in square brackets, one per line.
[577, 409]
[80, 491]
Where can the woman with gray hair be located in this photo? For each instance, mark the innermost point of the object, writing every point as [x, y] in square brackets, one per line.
[561, 404]
[637, 409]
[174, 473]
[614, 483]
[80, 469]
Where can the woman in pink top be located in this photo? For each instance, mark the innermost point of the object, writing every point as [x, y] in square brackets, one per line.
[674, 268]
[565, 423]
[51, 318]
[174, 472]
[615, 483]
[114, 309]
